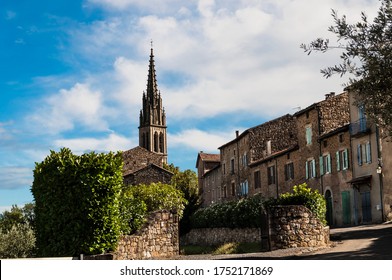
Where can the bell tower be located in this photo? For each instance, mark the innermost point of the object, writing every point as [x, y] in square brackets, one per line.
[152, 128]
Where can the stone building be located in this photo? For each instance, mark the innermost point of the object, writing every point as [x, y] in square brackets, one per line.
[144, 163]
[371, 185]
[316, 145]
[209, 177]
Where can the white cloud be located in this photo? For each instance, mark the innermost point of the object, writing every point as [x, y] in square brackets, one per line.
[113, 142]
[15, 177]
[201, 140]
[78, 106]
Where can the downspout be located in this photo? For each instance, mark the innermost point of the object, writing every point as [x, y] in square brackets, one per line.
[276, 176]
[379, 159]
[237, 133]
[319, 144]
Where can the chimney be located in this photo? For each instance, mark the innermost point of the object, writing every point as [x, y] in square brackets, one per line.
[237, 133]
[329, 95]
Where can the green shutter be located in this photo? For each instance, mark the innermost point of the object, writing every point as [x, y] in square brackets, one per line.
[306, 170]
[329, 163]
[321, 166]
[345, 159]
[313, 168]
[337, 161]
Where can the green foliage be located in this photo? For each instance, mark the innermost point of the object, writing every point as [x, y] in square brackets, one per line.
[234, 214]
[186, 181]
[17, 216]
[138, 201]
[367, 57]
[302, 195]
[77, 203]
[17, 242]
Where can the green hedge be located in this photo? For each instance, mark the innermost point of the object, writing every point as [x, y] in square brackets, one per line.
[235, 214]
[138, 201]
[77, 203]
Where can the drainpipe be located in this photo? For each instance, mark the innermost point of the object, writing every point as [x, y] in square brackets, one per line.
[237, 134]
[320, 150]
[379, 171]
[276, 178]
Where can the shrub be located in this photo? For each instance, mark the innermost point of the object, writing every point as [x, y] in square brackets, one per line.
[302, 195]
[233, 214]
[77, 203]
[138, 201]
[17, 242]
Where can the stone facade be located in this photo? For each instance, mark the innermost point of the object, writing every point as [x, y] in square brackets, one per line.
[296, 226]
[158, 239]
[149, 174]
[144, 167]
[219, 236]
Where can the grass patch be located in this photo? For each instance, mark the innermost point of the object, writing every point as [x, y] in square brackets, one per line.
[228, 248]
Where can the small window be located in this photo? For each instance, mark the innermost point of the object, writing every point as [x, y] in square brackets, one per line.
[342, 162]
[232, 166]
[325, 164]
[271, 175]
[341, 138]
[257, 179]
[310, 169]
[368, 152]
[233, 189]
[289, 171]
[308, 132]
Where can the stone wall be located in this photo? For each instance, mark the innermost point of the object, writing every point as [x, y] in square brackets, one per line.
[158, 239]
[296, 226]
[219, 236]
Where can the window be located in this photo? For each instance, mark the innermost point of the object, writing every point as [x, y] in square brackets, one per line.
[245, 160]
[244, 188]
[310, 169]
[359, 154]
[224, 168]
[341, 138]
[368, 152]
[308, 134]
[342, 160]
[289, 171]
[233, 189]
[257, 179]
[325, 164]
[232, 166]
[271, 175]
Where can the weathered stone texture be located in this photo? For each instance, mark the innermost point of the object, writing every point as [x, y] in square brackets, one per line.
[334, 112]
[158, 239]
[148, 175]
[296, 226]
[281, 133]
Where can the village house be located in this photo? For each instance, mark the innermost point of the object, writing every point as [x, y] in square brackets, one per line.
[313, 146]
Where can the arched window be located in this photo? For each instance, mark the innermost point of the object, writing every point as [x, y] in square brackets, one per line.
[156, 142]
[161, 143]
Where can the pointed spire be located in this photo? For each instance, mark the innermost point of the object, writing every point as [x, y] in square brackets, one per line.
[152, 87]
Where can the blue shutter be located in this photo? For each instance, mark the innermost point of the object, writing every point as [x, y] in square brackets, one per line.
[313, 168]
[368, 153]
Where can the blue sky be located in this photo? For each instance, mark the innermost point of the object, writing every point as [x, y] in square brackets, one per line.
[72, 73]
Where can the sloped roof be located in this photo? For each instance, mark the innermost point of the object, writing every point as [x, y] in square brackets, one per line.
[205, 157]
[138, 158]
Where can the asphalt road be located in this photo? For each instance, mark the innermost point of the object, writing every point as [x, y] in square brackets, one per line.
[367, 242]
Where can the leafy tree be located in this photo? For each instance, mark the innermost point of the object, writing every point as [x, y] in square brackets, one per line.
[17, 238]
[77, 203]
[186, 181]
[17, 242]
[367, 57]
[17, 216]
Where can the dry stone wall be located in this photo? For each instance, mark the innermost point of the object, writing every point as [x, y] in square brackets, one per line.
[158, 239]
[296, 226]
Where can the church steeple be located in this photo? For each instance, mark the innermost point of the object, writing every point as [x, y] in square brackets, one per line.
[152, 129]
